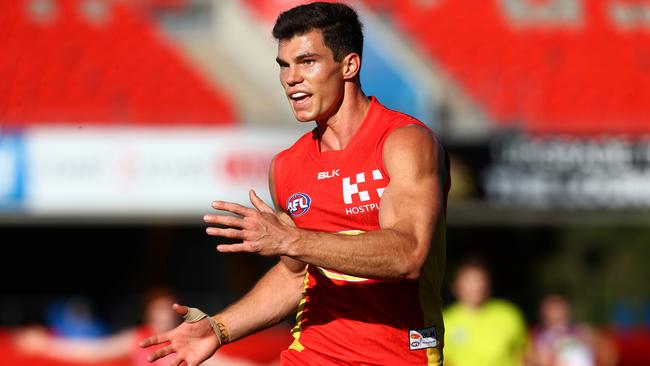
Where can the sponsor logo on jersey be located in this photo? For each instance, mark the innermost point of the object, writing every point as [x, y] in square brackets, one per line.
[352, 192]
[298, 204]
[422, 338]
[328, 174]
[355, 210]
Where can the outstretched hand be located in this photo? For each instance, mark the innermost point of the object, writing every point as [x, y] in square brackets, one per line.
[190, 342]
[260, 229]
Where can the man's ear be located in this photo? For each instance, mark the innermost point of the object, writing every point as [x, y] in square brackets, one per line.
[351, 66]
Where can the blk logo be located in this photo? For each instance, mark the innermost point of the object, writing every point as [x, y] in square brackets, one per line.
[298, 204]
[328, 174]
[351, 189]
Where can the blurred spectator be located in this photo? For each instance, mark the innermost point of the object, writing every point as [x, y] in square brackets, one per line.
[158, 317]
[74, 318]
[558, 341]
[480, 330]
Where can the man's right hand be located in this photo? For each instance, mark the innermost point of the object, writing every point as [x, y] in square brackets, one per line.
[191, 342]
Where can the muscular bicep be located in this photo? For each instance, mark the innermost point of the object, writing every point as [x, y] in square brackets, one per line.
[413, 200]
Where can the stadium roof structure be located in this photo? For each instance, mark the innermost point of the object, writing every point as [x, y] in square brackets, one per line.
[97, 62]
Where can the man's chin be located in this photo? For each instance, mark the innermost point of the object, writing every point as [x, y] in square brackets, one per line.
[300, 117]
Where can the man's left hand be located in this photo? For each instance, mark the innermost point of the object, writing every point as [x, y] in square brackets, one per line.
[260, 229]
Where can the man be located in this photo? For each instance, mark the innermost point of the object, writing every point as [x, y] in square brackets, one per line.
[363, 278]
[557, 340]
[480, 330]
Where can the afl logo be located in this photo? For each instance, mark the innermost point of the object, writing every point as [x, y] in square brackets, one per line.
[298, 204]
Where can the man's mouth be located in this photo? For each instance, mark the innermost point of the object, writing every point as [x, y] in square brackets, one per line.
[299, 97]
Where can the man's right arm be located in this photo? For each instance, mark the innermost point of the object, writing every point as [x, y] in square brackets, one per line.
[274, 297]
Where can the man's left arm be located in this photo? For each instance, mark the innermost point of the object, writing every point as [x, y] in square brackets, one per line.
[410, 208]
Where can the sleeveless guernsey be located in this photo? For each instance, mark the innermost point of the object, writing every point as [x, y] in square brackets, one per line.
[344, 319]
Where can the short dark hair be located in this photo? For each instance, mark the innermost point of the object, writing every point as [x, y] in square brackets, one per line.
[339, 24]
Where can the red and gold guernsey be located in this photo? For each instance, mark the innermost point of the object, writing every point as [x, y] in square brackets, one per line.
[344, 319]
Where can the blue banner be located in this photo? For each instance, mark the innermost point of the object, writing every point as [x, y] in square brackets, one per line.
[12, 171]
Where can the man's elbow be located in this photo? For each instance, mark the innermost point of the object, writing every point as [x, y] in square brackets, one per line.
[410, 263]
[411, 272]
[411, 268]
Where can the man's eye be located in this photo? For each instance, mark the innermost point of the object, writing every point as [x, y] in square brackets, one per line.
[309, 62]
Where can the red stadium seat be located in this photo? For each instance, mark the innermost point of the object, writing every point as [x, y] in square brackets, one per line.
[71, 68]
[585, 78]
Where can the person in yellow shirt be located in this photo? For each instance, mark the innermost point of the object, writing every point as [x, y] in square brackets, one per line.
[479, 330]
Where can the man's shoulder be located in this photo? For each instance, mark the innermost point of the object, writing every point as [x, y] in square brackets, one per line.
[411, 137]
[493, 306]
[503, 308]
[452, 311]
[501, 305]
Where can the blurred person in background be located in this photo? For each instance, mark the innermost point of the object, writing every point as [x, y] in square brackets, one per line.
[480, 330]
[558, 341]
[364, 278]
[158, 317]
[74, 318]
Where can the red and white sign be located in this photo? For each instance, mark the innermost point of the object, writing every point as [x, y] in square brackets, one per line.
[146, 171]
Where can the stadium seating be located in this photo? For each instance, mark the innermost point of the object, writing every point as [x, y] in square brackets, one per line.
[589, 76]
[97, 62]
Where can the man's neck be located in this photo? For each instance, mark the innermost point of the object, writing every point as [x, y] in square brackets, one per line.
[337, 131]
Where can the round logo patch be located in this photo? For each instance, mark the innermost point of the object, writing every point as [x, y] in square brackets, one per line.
[298, 204]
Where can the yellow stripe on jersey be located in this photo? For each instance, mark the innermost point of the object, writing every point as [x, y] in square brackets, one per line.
[351, 232]
[429, 288]
[340, 276]
[297, 329]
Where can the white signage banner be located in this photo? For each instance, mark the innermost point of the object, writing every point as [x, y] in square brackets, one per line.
[146, 171]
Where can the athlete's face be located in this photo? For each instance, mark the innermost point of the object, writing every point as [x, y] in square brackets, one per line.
[159, 314]
[312, 80]
[555, 311]
[472, 286]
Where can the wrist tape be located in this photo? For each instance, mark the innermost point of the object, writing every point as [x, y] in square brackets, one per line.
[193, 315]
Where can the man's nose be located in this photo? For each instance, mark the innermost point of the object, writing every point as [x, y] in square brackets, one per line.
[293, 76]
